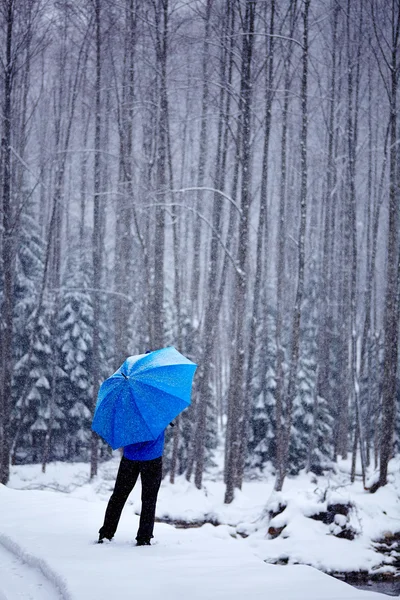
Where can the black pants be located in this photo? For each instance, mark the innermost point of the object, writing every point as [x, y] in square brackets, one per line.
[128, 472]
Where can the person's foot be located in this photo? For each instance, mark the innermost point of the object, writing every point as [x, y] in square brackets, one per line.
[143, 543]
[103, 537]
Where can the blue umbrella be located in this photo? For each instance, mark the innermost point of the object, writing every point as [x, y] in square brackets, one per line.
[143, 396]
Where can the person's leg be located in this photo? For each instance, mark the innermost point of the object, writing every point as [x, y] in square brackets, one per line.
[128, 473]
[151, 475]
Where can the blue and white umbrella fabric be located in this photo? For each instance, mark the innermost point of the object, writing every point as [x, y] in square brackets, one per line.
[143, 396]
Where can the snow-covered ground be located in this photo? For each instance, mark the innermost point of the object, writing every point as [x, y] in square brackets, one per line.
[49, 523]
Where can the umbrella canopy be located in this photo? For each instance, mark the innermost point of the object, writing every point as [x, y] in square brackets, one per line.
[142, 397]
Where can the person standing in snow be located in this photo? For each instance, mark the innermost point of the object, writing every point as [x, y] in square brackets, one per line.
[144, 458]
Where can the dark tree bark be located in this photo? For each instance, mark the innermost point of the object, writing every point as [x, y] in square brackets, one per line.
[195, 281]
[85, 116]
[262, 248]
[324, 325]
[97, 241]
[391, 317]
[213, 300]
[281, 245]
[352, 130]
[161, 16]
[282, 466]
[124, 202]
[7, 247]
[236, 384]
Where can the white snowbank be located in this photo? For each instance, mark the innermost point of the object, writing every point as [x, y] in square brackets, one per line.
[55, 530]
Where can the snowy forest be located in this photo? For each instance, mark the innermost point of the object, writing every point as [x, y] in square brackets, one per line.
[221, 176]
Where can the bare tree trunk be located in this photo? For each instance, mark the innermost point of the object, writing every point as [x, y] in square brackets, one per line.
[344, 331]
[123, 222]
[366, 343]
[236, 384]
[213, 304]
[354, 452]
[282, 467]
[324, 388]
[84, 169]
[352, 123]
[97, 243]
[224, 156]
[262, 250]
[211, 313]
[195, 282]
[391, 322]
[7, 253]
[177, 299]
[160, 14]
[280, 262]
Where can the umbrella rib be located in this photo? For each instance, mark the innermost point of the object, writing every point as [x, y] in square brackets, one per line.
[110, 399]
[138, 407]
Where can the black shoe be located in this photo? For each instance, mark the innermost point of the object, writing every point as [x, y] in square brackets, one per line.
[143, 543]
[104, 537]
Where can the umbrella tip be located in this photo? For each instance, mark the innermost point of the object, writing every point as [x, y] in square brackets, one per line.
[123, 375]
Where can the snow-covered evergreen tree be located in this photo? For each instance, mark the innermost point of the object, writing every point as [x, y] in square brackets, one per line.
[75, 346]
[303, 417]
[32, 349]
[32, 391]
[261, 446]
[311, 434]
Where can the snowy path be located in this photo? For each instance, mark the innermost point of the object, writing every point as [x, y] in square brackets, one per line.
[21, 580]
[55, 534]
